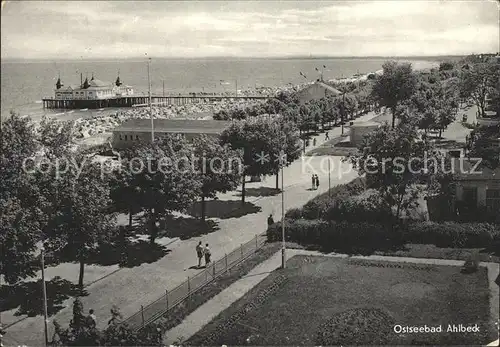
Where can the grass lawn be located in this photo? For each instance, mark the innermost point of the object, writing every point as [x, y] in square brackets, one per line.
[331, 301]
[176, 315]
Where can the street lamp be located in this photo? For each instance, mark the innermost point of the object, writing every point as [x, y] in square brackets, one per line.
[45, 318]
[283, 249]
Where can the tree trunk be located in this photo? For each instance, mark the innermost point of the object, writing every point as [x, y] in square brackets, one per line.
[203, 207]
[393, 111]
[80, 276]
[243, 190]
[277, 181]
[130, 218]
[153, 232]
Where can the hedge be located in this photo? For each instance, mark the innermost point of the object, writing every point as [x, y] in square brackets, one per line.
[318, 206]
[361, 237]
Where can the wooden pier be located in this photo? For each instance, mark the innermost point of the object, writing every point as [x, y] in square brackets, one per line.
[132, 101]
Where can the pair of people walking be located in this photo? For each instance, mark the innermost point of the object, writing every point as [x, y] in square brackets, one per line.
[315, 181]
[203, 252]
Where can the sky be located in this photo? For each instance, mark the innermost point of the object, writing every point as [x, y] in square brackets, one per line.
[127, 29]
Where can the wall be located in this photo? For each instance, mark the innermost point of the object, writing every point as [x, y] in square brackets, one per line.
[481, 186]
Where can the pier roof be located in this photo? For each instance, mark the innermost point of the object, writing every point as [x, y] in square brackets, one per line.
[99, 83]
[185, 126]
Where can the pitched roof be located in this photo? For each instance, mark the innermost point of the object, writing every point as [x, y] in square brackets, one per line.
[99, 83]
[466, 170]
[185, 126]
[316, 91]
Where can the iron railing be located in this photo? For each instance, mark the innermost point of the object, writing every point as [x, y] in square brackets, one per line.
[158, 308]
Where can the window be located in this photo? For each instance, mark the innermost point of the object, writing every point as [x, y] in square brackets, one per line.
[493, 199]
[470, 196]
[125, 137]
[137, 137]
[121, 137]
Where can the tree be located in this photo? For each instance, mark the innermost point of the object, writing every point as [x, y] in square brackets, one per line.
[476, 83]
[260, 140]
[163, 178]
[18, 237]
[396, 85]
[387, 159]
[55, 136]
[287, 146]
[124, 194]
[82, 221]
[218, 166]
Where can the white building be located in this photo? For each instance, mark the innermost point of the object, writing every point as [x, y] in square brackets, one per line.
[93, 90]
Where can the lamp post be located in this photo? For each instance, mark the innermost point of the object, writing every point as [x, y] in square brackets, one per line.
[283, 249]
[44, 290]
[149, 101]
[329, 183]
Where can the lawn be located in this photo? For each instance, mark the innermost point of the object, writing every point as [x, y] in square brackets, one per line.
[332, 301]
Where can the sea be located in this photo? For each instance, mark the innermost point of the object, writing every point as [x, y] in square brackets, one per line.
[25, 83]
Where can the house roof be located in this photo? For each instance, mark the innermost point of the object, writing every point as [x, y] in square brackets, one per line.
[312, 92]
[185, 126]
[466, 170]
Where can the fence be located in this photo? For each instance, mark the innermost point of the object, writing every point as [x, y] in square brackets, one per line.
[174, 297]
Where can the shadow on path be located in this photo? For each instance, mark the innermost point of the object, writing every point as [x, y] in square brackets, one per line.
[185, 228]
[134, 253]
[261, 191]
[27, 296]
[224, 209]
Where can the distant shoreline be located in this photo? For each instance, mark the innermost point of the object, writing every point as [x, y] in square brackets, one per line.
[133, 59]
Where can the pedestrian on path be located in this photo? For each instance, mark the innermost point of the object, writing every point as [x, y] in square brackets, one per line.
[199, 253]
[92, 318]
[313, 181]
[327, 137]
[207, 253]
[314, 142]
[317, 182]
[270, 221]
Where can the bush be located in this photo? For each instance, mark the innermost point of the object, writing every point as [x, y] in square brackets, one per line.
[317, 207]
[452, 234]
[354, 209]
[358, 238]
[363, 237]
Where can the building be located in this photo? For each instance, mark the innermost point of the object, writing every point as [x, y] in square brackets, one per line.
[92, 90]
[135, 131]
[477, 187]
[317, 91]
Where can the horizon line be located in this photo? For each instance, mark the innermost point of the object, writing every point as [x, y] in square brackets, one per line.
[247, 57]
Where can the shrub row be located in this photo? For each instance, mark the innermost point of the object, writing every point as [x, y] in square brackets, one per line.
[319, 206]
[365, 237]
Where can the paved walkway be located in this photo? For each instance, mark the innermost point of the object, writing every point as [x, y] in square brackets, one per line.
[208, 311]
[129, 288]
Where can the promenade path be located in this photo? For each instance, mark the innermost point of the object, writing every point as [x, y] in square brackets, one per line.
[129, 288]
[208, 311]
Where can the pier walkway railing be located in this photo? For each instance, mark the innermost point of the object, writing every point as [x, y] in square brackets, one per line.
[161, 306]
[141, 100]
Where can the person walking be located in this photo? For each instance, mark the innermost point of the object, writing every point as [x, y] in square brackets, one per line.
[199, 253]
[206, 252]
[270, 221]
[317, 182]
[327, 136]
[314, 142]
[92, 318]
[313, 181]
